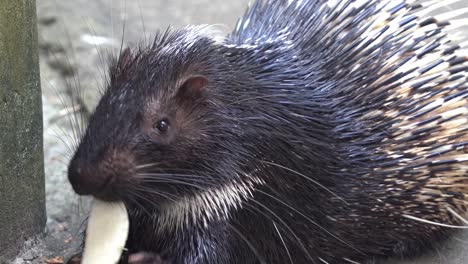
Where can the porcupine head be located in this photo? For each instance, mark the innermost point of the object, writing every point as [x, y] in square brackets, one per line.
[161, 132]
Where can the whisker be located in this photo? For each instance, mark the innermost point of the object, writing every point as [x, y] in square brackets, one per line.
[70, 110]
[174, 181]
[164, 170]
[282, 241]
[323, 261]
[351, 261]
[159, 166]
[101, 70]
[165, 195]
[254, 250]
[69, 148]
[307, 178]
[140, 206]
[177, 180]
[139, 167]
[149, 175]
[310, 220]
[74, 90]
[70, 116]
[282, 222]
[434, 223]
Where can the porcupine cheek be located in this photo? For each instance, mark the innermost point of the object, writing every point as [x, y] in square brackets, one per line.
[104, 178]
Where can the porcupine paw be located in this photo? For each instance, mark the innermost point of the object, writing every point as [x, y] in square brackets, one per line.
[146, 258]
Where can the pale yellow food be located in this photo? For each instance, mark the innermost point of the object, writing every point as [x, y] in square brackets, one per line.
[106, 233]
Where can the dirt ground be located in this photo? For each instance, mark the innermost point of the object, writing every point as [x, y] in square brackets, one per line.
[75, 39]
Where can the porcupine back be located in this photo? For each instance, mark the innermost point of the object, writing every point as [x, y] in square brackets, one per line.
[396, 81]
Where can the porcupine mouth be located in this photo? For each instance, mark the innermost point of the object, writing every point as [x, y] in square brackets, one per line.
[106, 192]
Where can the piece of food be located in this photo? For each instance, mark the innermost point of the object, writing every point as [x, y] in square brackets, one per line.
[106, 234]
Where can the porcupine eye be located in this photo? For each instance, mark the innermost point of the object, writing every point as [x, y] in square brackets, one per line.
[162, 125]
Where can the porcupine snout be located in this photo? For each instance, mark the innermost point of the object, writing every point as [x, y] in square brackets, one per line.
[102, 176]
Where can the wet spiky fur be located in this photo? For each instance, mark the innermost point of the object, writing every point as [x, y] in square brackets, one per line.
[330, 131]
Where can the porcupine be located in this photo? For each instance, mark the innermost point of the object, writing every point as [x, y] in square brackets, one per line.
[317, 131]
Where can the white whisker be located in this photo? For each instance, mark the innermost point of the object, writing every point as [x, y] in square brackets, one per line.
[307, 178]
[248, 243]
[434, 223]
[282, 241]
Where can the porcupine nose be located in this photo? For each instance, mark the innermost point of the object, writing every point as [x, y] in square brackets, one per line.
[85, 180]
[101, 178]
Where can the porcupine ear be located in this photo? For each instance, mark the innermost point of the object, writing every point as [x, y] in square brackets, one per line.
[192, 88]
[118, 67]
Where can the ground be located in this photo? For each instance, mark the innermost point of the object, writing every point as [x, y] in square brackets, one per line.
[75, 39]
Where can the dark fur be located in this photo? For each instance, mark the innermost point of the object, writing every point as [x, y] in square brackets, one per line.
[287, 110]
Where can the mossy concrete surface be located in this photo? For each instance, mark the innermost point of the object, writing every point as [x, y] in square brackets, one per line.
[22, 197]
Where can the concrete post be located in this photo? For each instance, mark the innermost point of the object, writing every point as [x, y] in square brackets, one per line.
[22, 195]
